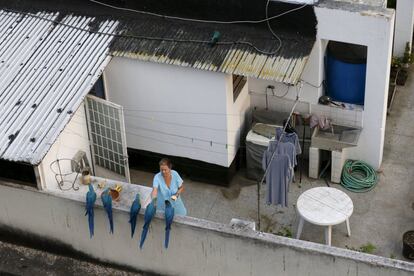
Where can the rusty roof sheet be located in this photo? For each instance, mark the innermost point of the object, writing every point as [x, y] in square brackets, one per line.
[285, 66]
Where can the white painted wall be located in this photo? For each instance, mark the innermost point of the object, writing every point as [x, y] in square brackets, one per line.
[364, 28]
[309, 89]
[166, 106]
[73, 138]
[197, 247]
[374, 30]
[404, 20]
[236, 121]
[312, 77]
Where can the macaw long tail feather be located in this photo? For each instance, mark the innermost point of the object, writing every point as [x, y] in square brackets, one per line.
[91, 222]
[133, 222]
[167, 237]
[111, 223]
[143, 235]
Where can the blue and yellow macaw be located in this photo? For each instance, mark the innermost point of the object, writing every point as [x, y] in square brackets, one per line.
[90, 202]
[107, 204]
[149, 214]
[169, 216]
[133, 214]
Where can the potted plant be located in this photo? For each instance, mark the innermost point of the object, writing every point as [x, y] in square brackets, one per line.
[396, 65]
[405, 65]
[395, 70]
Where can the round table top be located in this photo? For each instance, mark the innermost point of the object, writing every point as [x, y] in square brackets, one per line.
[325, 206]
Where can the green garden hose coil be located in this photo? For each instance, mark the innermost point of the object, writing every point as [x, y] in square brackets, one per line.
[358, 176]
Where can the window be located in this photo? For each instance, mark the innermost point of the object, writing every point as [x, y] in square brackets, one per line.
[98, 90]
[20, 173]
[105, 127]
[238, 84]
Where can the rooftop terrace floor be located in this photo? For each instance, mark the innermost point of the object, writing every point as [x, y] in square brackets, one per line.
[380, 216]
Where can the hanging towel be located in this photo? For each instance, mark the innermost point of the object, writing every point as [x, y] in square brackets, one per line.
[289, 138]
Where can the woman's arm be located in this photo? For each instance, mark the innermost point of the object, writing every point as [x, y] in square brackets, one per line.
[180, 190]
[178, 193]
[154, 193]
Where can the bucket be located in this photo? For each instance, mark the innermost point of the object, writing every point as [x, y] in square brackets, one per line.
[408, 245]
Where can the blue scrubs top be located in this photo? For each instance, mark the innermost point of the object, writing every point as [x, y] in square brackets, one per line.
[165, 193]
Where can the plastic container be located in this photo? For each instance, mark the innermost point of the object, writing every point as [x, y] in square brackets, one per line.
[345, 72]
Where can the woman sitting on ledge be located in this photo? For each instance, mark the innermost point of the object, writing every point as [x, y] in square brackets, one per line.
[168, 185]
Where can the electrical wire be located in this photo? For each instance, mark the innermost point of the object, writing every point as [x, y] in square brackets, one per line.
[281, 96]
[182, 112]
[182, 136]
[178, 124]
[201, 20]
[267, 19]
[174, 144]
[280, 139]
[271, 30]
[142, 37]
[164, 133]
[315, 86]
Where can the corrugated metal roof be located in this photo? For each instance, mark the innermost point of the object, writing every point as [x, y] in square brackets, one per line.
[179, 48]
[46, 69]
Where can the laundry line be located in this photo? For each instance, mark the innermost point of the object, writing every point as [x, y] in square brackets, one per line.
[259, 184]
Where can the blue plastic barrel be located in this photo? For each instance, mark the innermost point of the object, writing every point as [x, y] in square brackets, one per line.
[346, 66]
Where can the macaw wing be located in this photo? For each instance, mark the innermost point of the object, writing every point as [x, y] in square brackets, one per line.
[133, 215]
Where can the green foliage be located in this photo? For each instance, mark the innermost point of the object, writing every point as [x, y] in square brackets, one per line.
[368, 248]
[407, 58]
[365, 248]
[396, 62]
[285, 232]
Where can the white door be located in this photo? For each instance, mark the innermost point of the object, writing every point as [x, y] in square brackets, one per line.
[107, 134]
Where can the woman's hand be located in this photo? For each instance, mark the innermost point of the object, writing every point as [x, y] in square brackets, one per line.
[175, 197]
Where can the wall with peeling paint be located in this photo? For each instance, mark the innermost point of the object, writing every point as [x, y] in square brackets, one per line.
[197, 247]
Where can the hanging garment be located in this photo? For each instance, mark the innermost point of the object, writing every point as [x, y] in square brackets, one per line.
[288, 149]
[284, 148]
[277, 178]
[319, 120]
[289, 138]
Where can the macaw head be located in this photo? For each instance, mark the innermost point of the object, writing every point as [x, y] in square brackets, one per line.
[137, 197]
[105, 193]
[91, 188]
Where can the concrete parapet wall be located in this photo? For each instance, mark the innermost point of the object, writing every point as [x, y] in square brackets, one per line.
[197, 247]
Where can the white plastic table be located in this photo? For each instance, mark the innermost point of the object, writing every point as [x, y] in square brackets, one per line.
[324, 206]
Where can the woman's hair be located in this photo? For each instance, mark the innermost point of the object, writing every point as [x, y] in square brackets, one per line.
[165, 161]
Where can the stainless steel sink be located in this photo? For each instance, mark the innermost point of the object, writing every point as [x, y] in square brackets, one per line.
[335, 138]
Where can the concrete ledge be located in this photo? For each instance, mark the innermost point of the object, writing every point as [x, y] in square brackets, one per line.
[197, 247]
